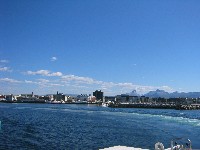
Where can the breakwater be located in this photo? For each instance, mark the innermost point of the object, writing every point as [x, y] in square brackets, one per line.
[142, 105]
[155, 106]
[188, 107]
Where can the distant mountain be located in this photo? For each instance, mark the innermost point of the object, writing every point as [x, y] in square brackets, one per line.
[184, 95]
[158, 93]
[164, 94]
[133, 93]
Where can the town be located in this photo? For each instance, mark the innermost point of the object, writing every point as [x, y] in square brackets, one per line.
[118, 101]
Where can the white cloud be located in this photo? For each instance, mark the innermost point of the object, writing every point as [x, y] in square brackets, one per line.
[127, 85]
[58, 74]
[28, 81]
[53, 58]
[110, 87]
[39, 81]
[79, 79]
[39, 72]
[88, 83]
[9, 80]
[43, 80]
[4, 69]
[55, 84]
[4, 61]
[44, 73]
[43, 83]
[166, 88]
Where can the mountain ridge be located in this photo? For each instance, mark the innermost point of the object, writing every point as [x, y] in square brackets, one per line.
[163, 94]
[176, 94]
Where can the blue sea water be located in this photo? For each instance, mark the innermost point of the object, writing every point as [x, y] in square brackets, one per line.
[69, 126]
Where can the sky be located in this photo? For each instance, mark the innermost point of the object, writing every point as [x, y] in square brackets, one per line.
[77, 47]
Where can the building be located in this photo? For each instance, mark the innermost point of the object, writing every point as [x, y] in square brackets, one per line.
[110, 98]
[28, 95]
[59, 97]
[2, 98]
[91, 99]
[82, 97]
[10, 97]
[134, 99]
[98, 94]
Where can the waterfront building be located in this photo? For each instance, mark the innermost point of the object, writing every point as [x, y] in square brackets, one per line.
[59, 97]
[69, 99]
[82, 97]
[134, 99]
[50, 97]
[46, 98]
[28, 95]
[98, 94]
[91, 99]
[2, 98]
[10, 97]
[29, 99]
[118, 98]
[110, 98]
[124, 98]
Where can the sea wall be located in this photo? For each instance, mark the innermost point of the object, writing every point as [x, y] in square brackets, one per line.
[155, 106]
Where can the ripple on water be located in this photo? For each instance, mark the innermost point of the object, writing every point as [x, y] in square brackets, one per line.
[83, 127]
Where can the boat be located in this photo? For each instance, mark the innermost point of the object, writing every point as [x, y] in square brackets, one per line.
[54, 102]
[175, 145]
[104, 104]
[80, 102]
[180, 144]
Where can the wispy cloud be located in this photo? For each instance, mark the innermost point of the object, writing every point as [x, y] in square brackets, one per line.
[4, 61]
[116, 88]
[5, 69]
[43, 80]
[142, 88]
[53, 58]
[79, 79]
[31, 82]
[91, 84]
[134, 64]
[44, 73]
[39, 72]
[58, 74]
[9, 80]
[43, 83]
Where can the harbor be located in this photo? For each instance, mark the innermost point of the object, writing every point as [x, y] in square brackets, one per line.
[62, 126]
[98, 98]
[99, 75]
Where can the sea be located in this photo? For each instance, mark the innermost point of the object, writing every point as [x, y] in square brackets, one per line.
[92, 127]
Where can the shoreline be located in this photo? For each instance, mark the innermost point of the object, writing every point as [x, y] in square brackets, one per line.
[157, 106]
[123, 105]
[41, 102]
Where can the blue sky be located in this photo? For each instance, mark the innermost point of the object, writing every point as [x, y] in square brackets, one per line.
[116, 46]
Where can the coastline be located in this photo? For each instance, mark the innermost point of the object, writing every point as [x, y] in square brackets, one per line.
[124, 105]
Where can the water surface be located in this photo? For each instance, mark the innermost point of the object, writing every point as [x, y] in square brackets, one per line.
[64, 126]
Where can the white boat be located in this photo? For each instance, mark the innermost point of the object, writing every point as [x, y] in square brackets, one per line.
[81, 102]
[104, 104]
[54, 102]
[158, 146]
